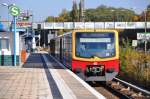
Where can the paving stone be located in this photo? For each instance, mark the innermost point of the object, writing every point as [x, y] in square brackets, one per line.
[23, 83]
[36, 82]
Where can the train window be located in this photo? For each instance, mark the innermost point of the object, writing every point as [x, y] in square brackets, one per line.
[4, 43]
[90, 45]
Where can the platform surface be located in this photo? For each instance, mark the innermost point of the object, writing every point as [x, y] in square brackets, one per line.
[42, 77]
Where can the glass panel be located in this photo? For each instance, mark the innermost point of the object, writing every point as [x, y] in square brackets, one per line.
[90, 45]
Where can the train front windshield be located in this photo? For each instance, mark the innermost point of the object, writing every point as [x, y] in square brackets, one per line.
[95, 44]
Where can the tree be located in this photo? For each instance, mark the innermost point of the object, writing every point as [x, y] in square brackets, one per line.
[104, 13]
[99, 14]
[148, 13]
[80, 11]
[74, 12]
[136, 18]
[145, 14]
[50, 19]
[64, 16]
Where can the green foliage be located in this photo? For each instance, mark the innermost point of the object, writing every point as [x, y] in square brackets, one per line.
[134, 64]
[74, 13]
[60, 32]
[100, 14]
[49, 19]
[80, 11]
[104, 13]
[64, 16]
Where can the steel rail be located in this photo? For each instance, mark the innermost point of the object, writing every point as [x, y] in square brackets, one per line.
[136, 88]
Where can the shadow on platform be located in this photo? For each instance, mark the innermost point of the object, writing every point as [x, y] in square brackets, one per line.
[35, 60]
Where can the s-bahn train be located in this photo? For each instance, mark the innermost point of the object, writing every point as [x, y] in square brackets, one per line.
[91, 54]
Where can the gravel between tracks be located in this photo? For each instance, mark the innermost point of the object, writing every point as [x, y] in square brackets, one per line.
[104, 91]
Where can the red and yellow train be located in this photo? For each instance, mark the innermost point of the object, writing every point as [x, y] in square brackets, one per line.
[91, 54]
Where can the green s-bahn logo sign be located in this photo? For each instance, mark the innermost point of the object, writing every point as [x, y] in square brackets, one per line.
[14, 10]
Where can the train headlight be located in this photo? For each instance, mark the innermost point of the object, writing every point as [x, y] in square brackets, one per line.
[102, 67]
[110, 70]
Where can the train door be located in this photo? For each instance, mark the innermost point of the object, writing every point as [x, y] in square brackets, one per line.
[60, 50]
[52, 47]
[63, 50]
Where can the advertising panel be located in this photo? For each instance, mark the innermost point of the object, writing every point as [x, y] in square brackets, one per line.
[139, 25]
[59, 25]
[130, 25]
[68, 25]
[24, 24]
[120, 25]
[89, 25]
[99, 25]
[79, 25]
[48, 25]
[148, 24]
[109, 25]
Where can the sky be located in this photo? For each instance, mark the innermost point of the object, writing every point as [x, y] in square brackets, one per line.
[43, 8]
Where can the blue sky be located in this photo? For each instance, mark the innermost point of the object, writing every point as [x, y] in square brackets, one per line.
[43, 8]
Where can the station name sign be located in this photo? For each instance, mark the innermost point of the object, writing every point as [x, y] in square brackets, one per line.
[143, 36]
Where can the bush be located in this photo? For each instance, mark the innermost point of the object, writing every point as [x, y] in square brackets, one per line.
[134, 64]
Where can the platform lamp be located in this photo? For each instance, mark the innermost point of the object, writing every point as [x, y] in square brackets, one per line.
[145, 19]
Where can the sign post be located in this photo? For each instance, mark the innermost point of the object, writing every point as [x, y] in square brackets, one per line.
[15, 11]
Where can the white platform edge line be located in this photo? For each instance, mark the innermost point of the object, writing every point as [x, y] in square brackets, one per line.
[51, 96]
[92, 90]
[49, 90]
[63, 87]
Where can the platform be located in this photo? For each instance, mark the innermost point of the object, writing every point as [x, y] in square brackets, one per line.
[43, 77]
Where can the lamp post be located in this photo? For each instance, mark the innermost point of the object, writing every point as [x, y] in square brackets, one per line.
[14, 11]
[8, 6]
[145, 17]
[147, 70]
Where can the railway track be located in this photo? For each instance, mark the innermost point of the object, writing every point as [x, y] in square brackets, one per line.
[119, 89]
[128, 90]
[105, 91]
